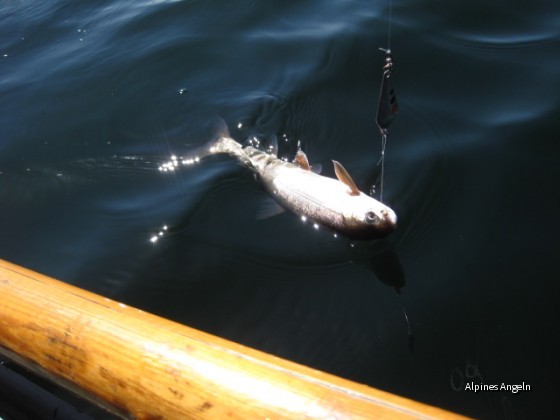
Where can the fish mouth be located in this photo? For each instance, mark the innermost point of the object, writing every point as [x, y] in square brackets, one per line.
[389, 219]
[388, 223]
[384, 218]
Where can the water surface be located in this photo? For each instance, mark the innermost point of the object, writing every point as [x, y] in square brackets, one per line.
[95, 96]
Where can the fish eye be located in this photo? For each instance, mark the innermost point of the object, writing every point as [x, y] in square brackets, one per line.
[371, 217]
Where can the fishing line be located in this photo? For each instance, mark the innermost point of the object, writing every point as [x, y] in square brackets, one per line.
[408, 327]
[387, 107]
[382, 160]
[389, 25]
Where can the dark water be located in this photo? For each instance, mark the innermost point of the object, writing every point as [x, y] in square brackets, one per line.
[95, 95]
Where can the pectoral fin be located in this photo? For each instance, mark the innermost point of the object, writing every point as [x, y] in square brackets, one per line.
[269, 208]
[344, 177]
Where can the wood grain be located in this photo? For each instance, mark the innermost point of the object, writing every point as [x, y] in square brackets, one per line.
[142, 366]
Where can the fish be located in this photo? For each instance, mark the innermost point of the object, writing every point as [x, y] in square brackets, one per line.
[336, 204]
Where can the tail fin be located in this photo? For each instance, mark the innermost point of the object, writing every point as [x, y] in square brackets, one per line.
[219, 129]
[220, 141]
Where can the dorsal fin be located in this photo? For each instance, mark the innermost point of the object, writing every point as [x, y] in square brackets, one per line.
[301, 160]
[344, 177]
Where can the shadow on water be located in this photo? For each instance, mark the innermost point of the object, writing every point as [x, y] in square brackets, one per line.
[387, 267]
[382, 259]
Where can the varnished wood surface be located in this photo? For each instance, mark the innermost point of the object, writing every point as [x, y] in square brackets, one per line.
[142, 366]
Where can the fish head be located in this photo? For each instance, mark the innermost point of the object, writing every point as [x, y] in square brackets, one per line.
[368, 218]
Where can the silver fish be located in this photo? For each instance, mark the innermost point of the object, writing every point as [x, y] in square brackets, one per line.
[335, 204]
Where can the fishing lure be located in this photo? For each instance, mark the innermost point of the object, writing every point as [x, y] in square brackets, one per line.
[388, 106]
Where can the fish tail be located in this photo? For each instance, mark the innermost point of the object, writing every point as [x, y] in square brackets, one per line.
[218, 128]
[221, 141]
